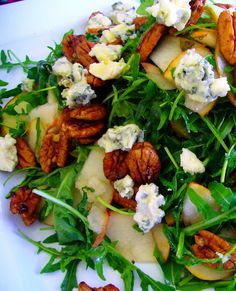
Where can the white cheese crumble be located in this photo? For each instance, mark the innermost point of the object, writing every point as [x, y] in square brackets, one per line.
[78, 93]
[195, 75]
[28, 85]
[122, 31]
[122, 13]
[104, 52]
[62, 67]
[8, 153]
[174, 13]
[125, 187]
[224, 258]
[190, 163]
[98, 21]
[108, 70]
[121, 137]
[148, 212]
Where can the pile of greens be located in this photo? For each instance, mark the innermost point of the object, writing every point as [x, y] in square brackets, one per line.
[169, 126]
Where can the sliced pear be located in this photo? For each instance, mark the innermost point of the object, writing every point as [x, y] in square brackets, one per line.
[133, 245]
[205, 36]
[155, 74]
[161, 241]
[201, 108]
[205, 273]
[167, 50]
[190, 213]
[179, 127]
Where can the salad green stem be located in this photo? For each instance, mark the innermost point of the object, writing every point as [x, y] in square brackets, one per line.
[107, 205]
[225, 165]
[197, 26]
[175, 104]
[171, 157]
[63, 204]
[180, 248]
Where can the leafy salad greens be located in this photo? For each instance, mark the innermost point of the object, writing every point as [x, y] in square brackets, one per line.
[169, 126]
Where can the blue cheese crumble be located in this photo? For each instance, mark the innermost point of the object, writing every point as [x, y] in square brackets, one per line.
[125, 187]
[148, 212]
[98, 21]
[122, 13]
[121, 137]
[190, 163]
[8, 153]
[174, 13]
[104, 52]
[121, 31]
[195, 75]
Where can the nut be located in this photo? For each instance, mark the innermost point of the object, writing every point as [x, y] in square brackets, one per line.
[26, 157]
[25, 203]
[139, 21]
[47, 154]
[93, 112]
[124, 202]
[143, 163]
[197, 7]
[208, 245]
[85, 287]
[150, 40]
[227, 36]
[69, 44]
[80, 129]
[114, 165]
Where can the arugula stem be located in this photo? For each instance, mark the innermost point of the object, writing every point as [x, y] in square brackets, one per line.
[190, 27]
[225, 165]
[171, 157]
[215, 132]
[180, 248]
[63, 204]
[175, 104]
[107, 205]
[186, 280]
[192, 229]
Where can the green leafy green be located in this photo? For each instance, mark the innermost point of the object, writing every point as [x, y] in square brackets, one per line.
[144, 4]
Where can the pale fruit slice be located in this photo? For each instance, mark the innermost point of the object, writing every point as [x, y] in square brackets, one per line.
[205, 36]
[205, 273]
[33, 137]
[167, 50]
[190, 213]
[161, 241]
[133, 245]
[179, 127]
[201, 108]
[155, 74]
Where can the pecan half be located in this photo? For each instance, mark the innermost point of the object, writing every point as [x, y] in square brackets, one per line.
[62, 149]
[114, 165]
[197, 7]
[124, 202]
[85, 287]
[93, 112]
[139, 21]
[26, 157]
[47, 154]
[25, 203]
[69, 45]
[227, 36]
[150, 40]
[143, 163]
[77, 130]
[208, 246]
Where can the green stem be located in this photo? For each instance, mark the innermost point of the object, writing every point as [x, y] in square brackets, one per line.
[63, 204]
[107, 205]
[175, 104]
[171, 157]
[215, 132]
[180, 248]
[225, 165]
[190, 27]
[192, 229]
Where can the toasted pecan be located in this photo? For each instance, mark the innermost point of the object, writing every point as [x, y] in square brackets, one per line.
[143, 163]
[139, 21]
[85, 287]
[93, 112]
[25, 203]
[47, 154]
[208, 246]
[69, 44]
[197, 7]
[114, 165]
[81, 129]
[150, 40]
[124, 202]
[26, 157]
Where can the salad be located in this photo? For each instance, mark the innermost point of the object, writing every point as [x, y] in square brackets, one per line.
[125, 135]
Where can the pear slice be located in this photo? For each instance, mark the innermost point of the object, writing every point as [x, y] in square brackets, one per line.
[205, 36]
[161, 241]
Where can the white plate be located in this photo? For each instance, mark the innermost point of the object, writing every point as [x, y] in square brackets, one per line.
[28, 27]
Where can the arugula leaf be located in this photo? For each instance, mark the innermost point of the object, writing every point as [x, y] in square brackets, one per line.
[142, 8]
[10, 93]
[70, 280]
[203, 207]
[223, 196]
[50, 267]
[3, 83]
[92, 37]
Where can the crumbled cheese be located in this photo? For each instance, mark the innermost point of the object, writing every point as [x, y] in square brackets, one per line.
[195, 75]
[171, 12]
[62, 67]
[8, 153]
[121, 137]
[148, 212]
[108, 70]
[98, 21]
[125, 187]
[190, 163]
[28, 85]
[78, 93]
[104, 52]
[224, 258]
[108, 36]
[122, 13]
[123, 31]
[78, 73]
